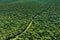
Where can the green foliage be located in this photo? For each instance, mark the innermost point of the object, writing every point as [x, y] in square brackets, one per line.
[30, 21]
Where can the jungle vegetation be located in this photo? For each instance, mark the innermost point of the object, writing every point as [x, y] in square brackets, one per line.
[30, 21]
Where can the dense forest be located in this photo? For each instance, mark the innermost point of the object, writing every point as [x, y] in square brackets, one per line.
[30, 20]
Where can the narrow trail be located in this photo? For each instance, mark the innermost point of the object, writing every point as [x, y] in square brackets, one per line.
[28, 26]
